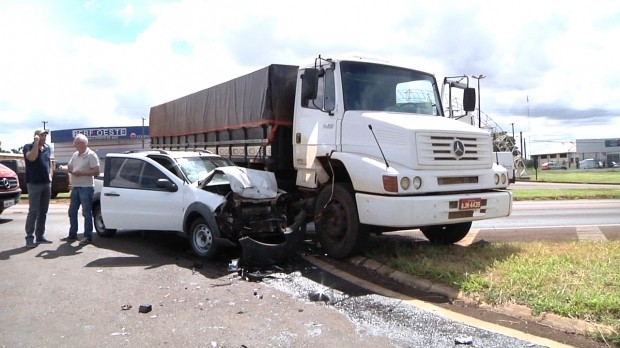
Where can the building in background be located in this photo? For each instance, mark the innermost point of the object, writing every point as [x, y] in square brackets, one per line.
[605, 151]
[102, 140]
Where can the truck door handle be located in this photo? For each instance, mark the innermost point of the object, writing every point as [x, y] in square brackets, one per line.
[111, 194]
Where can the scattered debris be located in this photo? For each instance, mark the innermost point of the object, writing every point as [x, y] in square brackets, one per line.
[126, 307]
[122, 333]
[145, 308]
[467, 340]
[233, 266]
[317, 296]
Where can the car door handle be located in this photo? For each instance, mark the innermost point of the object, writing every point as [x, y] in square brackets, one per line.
[111, 194]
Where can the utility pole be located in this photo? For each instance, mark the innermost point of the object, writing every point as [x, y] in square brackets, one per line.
[143, 119]
[479, 77]
[44, 123]
[521, 139]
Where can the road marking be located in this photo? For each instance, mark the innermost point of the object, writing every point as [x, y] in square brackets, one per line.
[463, 319]
[590, 234]
[469, 238]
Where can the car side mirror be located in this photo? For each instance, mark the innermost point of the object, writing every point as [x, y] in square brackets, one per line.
[167, 185]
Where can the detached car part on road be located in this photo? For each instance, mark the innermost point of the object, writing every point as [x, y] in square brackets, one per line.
[200, 196]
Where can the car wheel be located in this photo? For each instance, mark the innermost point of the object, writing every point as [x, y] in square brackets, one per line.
[98, 222]
[203, 239]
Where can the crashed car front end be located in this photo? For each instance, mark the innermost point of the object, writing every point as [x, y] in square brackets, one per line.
[254, 214]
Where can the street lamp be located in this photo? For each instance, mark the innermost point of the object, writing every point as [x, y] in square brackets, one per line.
[479, 77]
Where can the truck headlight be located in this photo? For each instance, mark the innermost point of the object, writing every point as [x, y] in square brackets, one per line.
[405, 182]
[503, 178]
[417, 182]
[496, 177]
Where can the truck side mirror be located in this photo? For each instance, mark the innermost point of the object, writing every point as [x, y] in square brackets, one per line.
[469, 99]
[309, 84]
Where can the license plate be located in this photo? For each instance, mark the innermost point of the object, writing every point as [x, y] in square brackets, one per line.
[9, 203]
[470, 203]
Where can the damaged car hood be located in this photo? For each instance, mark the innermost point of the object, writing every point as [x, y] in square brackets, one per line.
[247, 183]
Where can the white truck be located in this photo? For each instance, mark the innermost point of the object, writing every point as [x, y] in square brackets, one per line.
[507, 160]
[363, 143]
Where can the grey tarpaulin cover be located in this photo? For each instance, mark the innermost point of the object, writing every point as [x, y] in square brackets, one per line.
[265, 96]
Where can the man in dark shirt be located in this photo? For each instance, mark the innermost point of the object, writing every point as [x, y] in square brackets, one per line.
[39, 179]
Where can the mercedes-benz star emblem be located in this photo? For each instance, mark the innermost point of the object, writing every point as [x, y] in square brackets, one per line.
[4, 182]
[458, 149]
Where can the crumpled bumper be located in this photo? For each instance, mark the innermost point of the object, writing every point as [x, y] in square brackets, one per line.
[256, 253]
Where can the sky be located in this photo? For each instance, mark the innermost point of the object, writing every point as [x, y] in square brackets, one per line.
[551, 67]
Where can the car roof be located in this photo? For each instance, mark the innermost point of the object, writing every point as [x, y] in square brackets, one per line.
[171, 153]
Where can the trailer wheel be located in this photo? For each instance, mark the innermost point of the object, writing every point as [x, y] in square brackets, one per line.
[203, 239]
[337, 223]
[98, 222]
[446, 234]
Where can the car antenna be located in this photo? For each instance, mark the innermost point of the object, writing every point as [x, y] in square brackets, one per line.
[379, 145]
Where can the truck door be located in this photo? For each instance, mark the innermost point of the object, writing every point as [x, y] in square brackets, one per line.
[314, 128]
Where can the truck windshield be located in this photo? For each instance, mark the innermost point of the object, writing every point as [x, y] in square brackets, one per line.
[373, 87]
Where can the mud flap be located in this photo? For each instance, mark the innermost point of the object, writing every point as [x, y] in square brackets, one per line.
[256, 253]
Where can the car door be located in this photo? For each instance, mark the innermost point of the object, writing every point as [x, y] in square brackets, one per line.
[131, 199]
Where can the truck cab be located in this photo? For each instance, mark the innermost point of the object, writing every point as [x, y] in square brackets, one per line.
[372, 138]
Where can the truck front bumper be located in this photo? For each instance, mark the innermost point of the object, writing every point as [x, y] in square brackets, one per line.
[417, 211]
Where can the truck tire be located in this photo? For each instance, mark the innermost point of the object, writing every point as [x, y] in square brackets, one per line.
[337, 222]
[98, 222]
[203, 239]
[446, 234]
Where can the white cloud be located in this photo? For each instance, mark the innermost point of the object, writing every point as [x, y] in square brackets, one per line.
[71, 74]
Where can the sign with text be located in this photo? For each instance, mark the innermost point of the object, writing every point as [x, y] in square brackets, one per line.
[100, 133]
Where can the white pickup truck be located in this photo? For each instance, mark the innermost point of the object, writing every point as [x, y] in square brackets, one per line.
[198, 195]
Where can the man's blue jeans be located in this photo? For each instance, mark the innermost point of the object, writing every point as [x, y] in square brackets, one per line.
[38, 204]
[81, 196]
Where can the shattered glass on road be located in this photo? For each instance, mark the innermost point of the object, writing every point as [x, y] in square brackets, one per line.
[404, 324]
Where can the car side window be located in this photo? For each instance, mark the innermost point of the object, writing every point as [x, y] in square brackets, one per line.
[125, 173]
[149, 177]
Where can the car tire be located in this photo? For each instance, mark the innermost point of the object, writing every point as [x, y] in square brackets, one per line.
[203, 239]
[98, 222]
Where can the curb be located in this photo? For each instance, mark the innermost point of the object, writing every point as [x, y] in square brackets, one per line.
[568, 325]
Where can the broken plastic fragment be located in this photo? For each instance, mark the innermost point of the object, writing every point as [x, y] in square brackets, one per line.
[233, 266]
[145, 308]
[468, 340]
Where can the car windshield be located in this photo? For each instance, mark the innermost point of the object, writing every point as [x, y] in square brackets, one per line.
[197, 168]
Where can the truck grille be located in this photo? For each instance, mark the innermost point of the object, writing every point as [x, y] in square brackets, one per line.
[437, 149]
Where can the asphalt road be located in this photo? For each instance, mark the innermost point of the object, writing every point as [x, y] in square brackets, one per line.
[62, 294]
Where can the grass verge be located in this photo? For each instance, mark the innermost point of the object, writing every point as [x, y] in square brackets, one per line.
[598, 176]
[552, 194]
[572, 279]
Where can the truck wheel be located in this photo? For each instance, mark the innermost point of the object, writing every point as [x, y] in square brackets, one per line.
[446, 234]
[202, 239]
[337, 223]
[98, 222]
